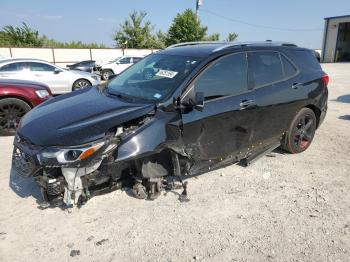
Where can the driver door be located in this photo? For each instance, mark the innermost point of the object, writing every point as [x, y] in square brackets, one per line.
[122, 64]
[225, 127]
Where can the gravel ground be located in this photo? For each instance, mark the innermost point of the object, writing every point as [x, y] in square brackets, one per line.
[282, 208]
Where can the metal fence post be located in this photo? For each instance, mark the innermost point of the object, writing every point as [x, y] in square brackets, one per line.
[53, 55]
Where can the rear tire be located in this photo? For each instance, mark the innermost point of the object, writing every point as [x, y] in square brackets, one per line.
[11, 112]
[106, 73]
[80, 84]
[301, 132]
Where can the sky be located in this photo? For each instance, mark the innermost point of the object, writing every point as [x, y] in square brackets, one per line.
[297, 21]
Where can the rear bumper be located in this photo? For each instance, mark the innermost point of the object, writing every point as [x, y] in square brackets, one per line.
[322, 115]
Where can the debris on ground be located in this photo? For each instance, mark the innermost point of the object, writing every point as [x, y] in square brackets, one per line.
[99, 243]
[90, 238]
[74, 253]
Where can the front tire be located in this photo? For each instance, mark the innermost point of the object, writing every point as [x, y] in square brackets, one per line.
[301, 132]
[11, 112]
[80, 84]
[106, 73]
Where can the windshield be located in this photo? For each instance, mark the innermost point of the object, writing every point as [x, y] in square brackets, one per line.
[154, 77]
[115, 60]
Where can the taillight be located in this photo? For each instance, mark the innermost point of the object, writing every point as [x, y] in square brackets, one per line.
[325, 79]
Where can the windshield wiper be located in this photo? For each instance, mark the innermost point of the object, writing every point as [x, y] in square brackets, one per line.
[120, 96]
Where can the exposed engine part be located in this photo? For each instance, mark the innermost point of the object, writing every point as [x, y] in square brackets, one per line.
[139, 191]
[155, 186]
[74, 188]
[183, 197]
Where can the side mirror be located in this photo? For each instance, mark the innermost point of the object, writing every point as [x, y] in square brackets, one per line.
[194, 100]
[199, 101]
[57, 71]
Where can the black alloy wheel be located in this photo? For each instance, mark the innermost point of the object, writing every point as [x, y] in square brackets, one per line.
[301, 132]
[11, 112]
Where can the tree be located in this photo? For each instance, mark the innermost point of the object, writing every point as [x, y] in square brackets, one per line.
[135, 33]
[22, 36]
[185, 28]
[52, 43]
[213, 37]
[231, 37]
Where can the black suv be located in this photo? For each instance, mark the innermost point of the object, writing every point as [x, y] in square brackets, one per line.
[182, 111]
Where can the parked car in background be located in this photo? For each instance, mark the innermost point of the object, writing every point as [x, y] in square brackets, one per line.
[86, 66]
[58, 79]
[16, 99]
[180, 112]
[118, 65]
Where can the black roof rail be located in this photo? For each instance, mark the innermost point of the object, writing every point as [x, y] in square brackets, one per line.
[224, 45]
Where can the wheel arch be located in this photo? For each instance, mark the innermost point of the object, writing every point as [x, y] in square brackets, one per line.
[108, 69]
[317, 113]
[18, 97]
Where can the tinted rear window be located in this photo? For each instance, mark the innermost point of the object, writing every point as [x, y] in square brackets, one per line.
[305, 60]
[288, 68]
[266, 67]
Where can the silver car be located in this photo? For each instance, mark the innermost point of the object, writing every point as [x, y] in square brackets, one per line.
[58, 79]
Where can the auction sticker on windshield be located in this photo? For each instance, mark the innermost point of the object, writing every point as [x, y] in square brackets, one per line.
[166, 73]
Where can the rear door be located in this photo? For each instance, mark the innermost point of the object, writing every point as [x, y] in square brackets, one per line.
[45, 73]
[16, 70]
[274, 77]
[225, 126]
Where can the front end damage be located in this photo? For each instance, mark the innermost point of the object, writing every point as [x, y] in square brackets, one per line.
[130, 155]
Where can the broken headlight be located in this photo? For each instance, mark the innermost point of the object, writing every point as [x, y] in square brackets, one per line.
[56, 155]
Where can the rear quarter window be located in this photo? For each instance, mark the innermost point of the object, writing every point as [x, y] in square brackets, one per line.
[305, 60]
[266, 67]
[289, 69]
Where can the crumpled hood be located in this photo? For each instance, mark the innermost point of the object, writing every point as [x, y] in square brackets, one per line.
[77, 118]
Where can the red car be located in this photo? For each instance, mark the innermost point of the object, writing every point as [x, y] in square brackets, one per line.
[16, 99]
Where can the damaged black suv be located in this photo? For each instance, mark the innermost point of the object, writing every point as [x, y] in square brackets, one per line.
[182, 111]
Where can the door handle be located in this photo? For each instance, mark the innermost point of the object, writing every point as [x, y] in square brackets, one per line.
[39, 75]
[247, 103]
[296, 85]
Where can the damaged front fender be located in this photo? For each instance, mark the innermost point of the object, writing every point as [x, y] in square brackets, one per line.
[162, 131]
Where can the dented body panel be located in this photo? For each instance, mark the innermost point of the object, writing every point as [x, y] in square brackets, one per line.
[94, 141]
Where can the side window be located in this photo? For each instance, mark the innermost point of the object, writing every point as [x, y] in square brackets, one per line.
[12, 67]
[136, 59]
[288, 69]
[266, 67]
[228, 76]
[85, 63]
[41, 67]
[125, 60]
[305, 60]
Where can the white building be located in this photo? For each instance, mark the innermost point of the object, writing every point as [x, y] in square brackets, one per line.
[336, 39]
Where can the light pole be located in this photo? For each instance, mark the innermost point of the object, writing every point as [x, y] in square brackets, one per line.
[198, 4]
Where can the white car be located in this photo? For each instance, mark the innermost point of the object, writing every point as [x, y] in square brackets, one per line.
[58, 79]
[118, 65]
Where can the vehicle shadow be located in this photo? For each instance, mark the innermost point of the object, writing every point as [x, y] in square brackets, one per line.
[345, 117]
[24, 187]
[344, 99]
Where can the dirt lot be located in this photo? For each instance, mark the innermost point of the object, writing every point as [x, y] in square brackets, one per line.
[282, 208]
